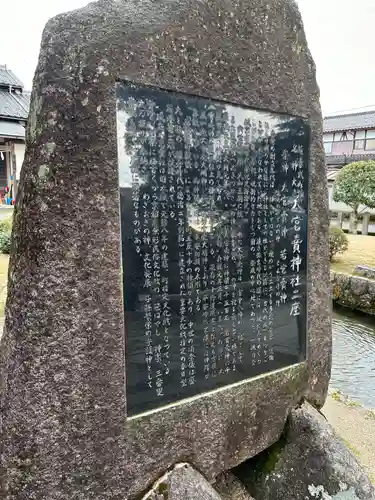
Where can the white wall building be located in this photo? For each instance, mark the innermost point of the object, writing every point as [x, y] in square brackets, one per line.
[14, 110]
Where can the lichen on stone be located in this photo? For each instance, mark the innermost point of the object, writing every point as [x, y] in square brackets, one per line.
[43, 171]
[49, 148]
[345, 493]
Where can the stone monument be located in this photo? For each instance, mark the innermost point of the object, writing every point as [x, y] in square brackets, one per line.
[169, 284]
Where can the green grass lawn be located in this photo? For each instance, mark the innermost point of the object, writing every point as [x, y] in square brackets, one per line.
[361, 251]
[6, 212]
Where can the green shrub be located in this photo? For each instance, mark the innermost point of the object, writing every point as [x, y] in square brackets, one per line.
[5, 234]
[338, 242]
[5, 238]
[6, 224]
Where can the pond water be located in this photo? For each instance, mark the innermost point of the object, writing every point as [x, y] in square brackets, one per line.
[353, 364]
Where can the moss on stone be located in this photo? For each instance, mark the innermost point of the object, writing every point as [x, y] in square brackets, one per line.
[273, 457]
[163, 490]
[336, 395]
[353, 403]
[269, 459]
[265, 463]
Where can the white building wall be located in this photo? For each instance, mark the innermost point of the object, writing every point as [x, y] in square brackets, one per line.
[19, 150]
[341, 207]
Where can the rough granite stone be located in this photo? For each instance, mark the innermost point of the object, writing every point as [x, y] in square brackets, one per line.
[64, 427]
[182, 483]
[310, 461]
[367, 272]
[231, 488]
[354, 292]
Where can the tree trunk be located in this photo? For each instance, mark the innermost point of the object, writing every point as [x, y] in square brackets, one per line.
[353, 222]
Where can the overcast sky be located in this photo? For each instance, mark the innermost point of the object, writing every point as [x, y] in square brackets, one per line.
[340, 35]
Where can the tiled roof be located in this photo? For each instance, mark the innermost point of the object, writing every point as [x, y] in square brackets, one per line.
[14, 105]
[12, 128]
[353, 121]
[7, 77]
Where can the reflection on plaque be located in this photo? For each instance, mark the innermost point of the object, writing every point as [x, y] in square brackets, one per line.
[214, 242]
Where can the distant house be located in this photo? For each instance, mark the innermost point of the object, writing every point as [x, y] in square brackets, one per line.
[14, 110]
[347, 138]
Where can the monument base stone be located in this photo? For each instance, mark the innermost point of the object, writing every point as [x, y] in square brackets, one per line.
[310, 461]
[231, 488]
[182, 483]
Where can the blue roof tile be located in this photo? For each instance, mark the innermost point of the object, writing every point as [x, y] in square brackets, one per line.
[14, 105]
[353, 121]
[7, 77]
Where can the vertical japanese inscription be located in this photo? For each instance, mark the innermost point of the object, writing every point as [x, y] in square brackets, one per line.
[214, 242]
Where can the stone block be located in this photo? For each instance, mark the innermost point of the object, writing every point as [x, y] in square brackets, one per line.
[231, 488]
[183, 482]
[354, 292]
[310, 461]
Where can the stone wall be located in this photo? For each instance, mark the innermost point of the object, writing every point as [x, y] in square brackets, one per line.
[354, 292]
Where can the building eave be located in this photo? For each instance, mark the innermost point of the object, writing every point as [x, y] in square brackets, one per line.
[342, 129]
[12, 138]
[11, 129]
[13, 118]
[341, 160]
[349, 121]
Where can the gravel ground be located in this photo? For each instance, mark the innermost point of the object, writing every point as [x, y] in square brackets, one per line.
[356, 426]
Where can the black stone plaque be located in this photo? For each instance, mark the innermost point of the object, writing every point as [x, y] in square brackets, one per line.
[214, 211]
